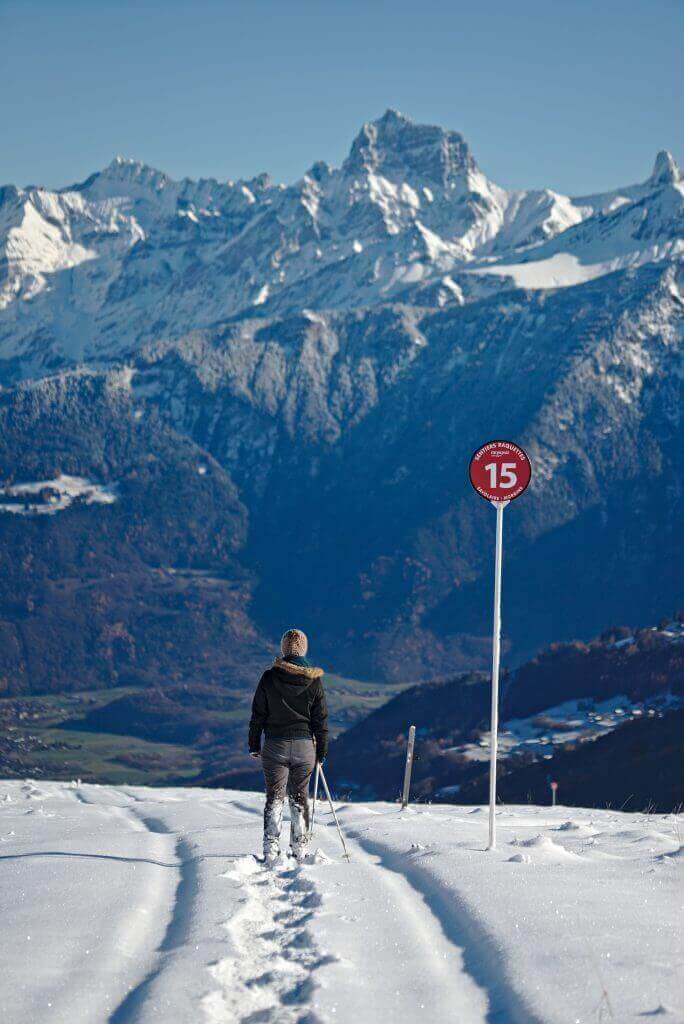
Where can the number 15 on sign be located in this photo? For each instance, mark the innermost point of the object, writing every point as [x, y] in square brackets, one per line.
[499, 471]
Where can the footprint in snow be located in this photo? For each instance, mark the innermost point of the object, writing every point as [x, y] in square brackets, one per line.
[270, 974]
[544, 850]
[520, 858]
[576, 828]
[419, 850]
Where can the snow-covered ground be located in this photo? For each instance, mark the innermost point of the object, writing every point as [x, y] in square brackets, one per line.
[124, 904]
[580, 720]
[574, 721]
[45, 497]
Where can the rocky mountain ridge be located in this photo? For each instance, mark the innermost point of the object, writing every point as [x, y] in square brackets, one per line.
[129, 255]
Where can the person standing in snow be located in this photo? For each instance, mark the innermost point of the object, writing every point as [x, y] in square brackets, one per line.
[289, 708]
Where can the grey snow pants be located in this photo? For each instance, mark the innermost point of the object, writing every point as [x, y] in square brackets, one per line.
[287, 764]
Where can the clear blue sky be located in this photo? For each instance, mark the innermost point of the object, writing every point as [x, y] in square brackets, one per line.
[573, 95]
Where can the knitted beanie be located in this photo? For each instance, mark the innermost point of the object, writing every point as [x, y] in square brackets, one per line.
[294, 642]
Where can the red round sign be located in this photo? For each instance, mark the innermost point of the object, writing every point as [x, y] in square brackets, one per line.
[500, 471]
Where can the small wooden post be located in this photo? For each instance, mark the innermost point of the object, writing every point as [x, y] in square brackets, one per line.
[409, 766]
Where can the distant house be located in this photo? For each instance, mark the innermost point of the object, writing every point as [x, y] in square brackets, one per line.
[48, 496]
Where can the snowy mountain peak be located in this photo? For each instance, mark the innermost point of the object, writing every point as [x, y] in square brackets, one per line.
[400, 149]
[408, 217]
[124, 161]
[666, 170]
[123, 176]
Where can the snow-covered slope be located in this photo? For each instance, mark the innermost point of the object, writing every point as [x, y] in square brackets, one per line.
[573, 721]
[646, 225]
[129, 254]
[125, 905]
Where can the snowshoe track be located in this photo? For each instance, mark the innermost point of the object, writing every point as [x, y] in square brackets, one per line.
[270, 974]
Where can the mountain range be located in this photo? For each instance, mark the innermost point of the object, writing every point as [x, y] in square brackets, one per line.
[270, 394]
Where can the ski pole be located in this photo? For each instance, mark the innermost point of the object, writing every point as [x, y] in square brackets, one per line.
[339, 830]
[315, 795]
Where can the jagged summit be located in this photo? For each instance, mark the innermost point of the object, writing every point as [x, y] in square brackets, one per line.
[666, 170]
[396, 146]
[124, 161]
[319, 171]
[121, 174]
[393, 146]
[123, 168]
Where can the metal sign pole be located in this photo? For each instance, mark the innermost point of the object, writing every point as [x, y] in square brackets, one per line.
[499, 471]
[496, 653]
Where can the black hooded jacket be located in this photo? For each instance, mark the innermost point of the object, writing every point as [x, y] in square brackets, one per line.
[290, 702]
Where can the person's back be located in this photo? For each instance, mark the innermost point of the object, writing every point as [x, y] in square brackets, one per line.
[289, 708]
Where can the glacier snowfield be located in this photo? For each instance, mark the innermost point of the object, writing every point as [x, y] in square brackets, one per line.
[126, 904]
